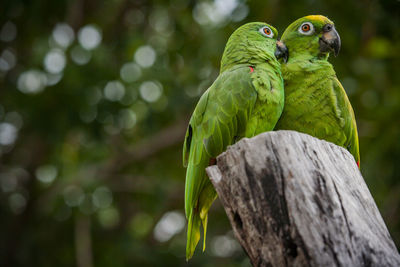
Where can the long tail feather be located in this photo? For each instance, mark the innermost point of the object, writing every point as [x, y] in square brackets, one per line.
[199, 195]
[207, 197]
[193, 233]
[204, 221]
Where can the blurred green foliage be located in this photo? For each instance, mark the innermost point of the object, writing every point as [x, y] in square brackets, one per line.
[94, 100]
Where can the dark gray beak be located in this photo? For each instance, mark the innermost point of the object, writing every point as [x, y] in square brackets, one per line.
[281, 51]
[330, 40]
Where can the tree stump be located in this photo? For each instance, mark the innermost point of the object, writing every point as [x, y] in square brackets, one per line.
[295, 200]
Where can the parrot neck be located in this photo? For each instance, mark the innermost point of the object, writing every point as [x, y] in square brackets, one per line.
[294, 57]
[304, 56]
[297, 69]
[250, 61]
[247, 54]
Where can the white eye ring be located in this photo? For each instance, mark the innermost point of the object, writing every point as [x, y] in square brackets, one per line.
[304, 31]
[266, 31]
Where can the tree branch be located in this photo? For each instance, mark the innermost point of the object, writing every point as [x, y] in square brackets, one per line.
[295, 200]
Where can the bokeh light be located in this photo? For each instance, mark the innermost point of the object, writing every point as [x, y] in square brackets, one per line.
[54, 61]
[169, 225]
[127, 119]
[32, 81]
[114, 91]
[145, 56]
[109, 217]
[63, 34]
[7, 60]
[150, 91]
[219, 12]
[73, 195]
[53, 78]
[8, 133]
[130, 72]
[46, 173]
[89, 37]
[224, 246]
[102, 197]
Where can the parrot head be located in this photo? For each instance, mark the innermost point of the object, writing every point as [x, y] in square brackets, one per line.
[312, 36]
[253, 43]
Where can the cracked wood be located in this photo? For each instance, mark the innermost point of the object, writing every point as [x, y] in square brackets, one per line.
[295, 200]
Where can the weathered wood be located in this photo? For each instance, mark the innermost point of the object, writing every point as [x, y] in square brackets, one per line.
[295, 200]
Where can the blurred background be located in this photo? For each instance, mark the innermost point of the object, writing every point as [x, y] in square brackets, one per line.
[95, 97]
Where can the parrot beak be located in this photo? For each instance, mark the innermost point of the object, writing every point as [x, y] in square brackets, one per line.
[281, 51]
[330, 40]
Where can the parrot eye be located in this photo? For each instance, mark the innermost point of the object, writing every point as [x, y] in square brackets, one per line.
[266, 31]
[306, 28]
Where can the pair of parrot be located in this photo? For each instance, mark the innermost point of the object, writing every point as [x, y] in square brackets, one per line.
[255, 93]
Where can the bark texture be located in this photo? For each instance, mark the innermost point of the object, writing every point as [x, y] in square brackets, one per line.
[295, 200]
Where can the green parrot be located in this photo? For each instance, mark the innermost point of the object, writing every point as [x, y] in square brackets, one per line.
[315, 101]
[246, 99]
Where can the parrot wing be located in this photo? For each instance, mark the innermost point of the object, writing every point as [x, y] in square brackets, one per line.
[350, 126]
[219, 119]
